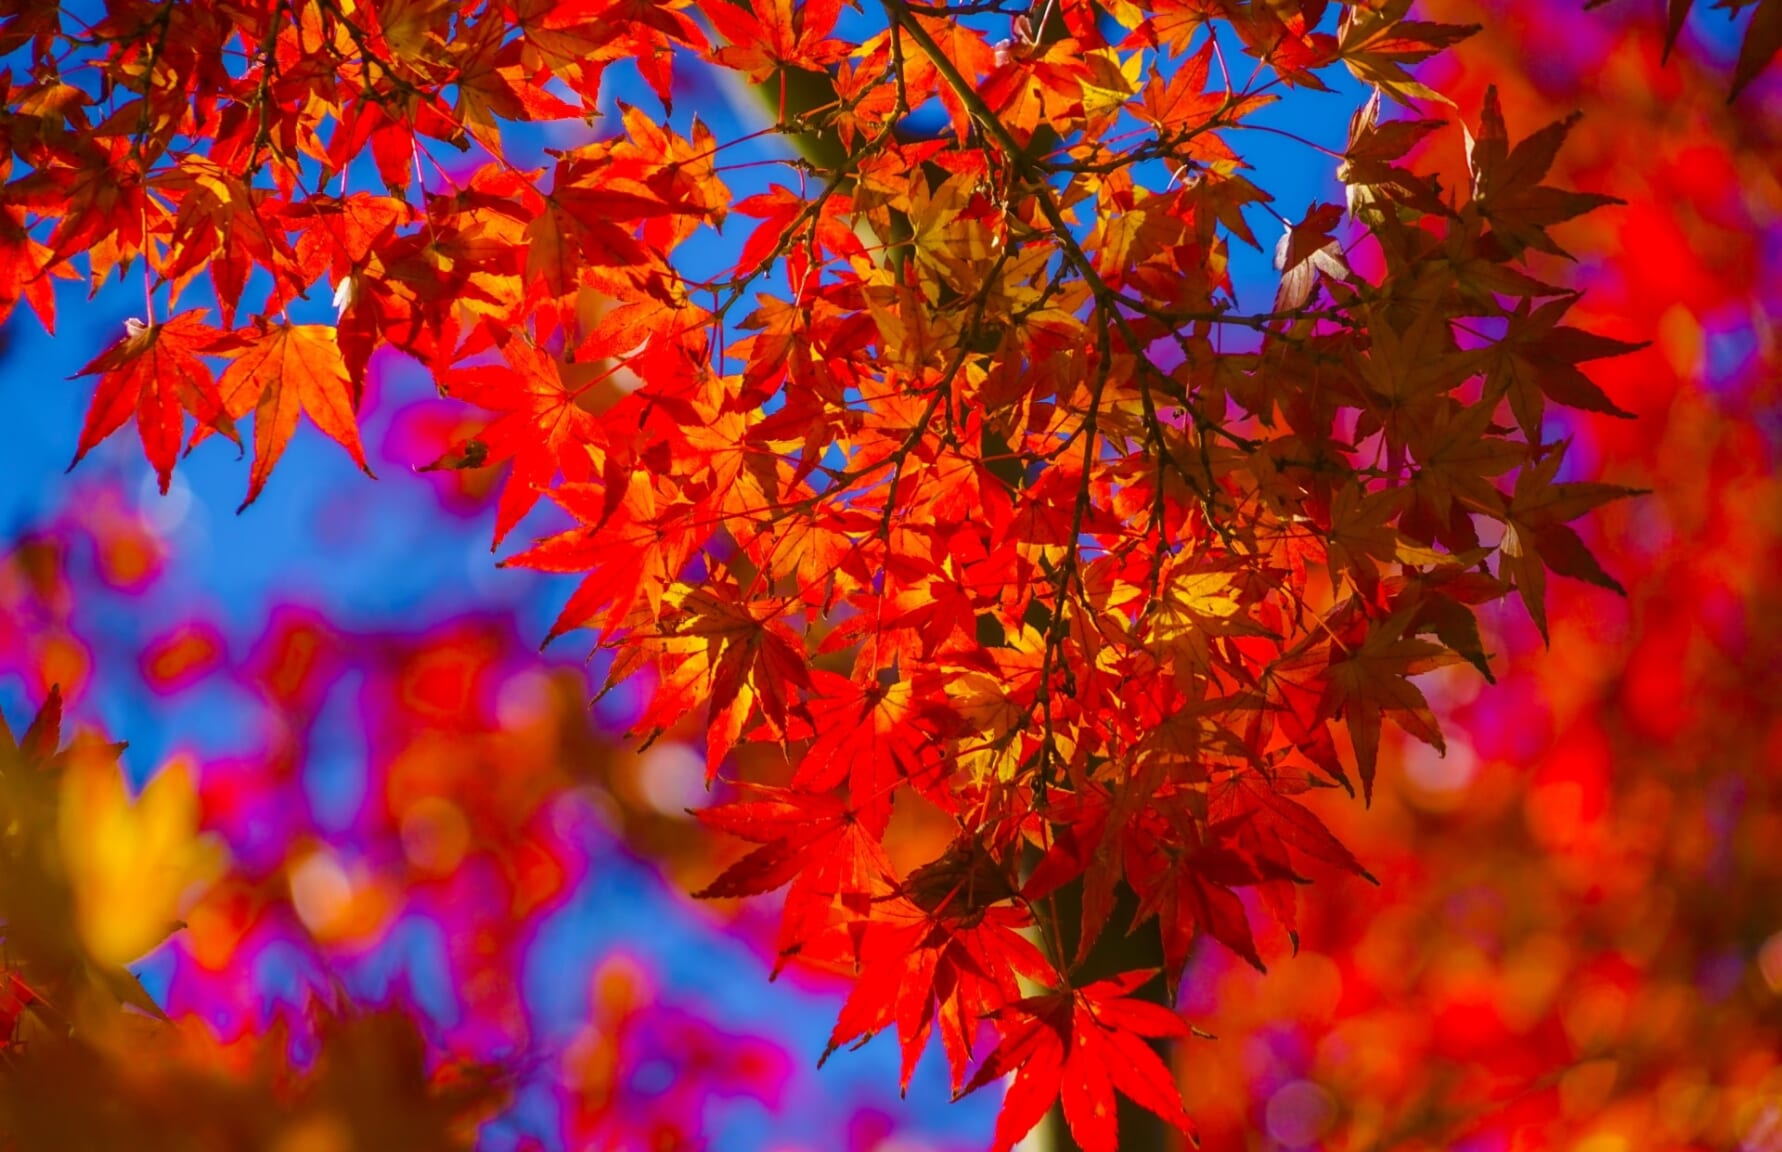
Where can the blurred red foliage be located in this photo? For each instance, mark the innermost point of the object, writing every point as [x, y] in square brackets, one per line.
[1578, 939]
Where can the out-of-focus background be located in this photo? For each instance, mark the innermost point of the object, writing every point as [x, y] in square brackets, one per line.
[1577, 940]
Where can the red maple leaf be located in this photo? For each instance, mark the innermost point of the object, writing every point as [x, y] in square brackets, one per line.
[25, 272]
[815, 842]
[951, 964]
[1078, 1046]
[776, 36]
[625, 545]
[156, 374]
[541, 429]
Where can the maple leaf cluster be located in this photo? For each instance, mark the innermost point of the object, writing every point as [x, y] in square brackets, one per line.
[968, 487]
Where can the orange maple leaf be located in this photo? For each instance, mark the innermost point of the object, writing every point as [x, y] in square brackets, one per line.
[287, 368]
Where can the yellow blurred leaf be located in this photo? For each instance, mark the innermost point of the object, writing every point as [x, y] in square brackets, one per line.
[129, 865]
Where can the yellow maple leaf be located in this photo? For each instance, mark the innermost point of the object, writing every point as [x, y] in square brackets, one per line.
[130, 865]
